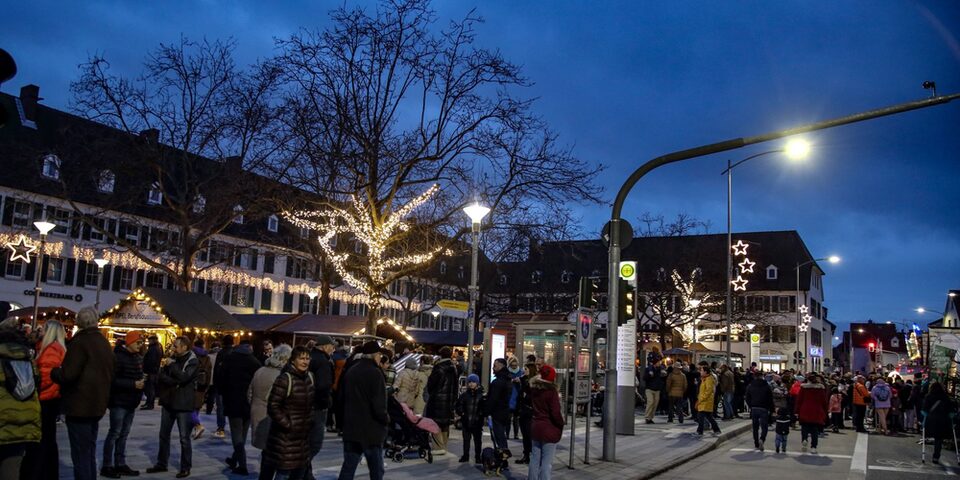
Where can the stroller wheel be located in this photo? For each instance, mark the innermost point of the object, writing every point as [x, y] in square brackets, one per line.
[429, 456]
[423, 453]
[398, 457]
[388, 453]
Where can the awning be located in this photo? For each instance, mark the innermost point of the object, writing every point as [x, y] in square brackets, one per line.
[156, 307]
[262, 322]
[443, 337]
[322, 324]
[678, 351]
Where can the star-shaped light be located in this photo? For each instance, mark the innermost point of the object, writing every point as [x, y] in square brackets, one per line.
[807, 318]
[803, 328]
[746, 266]
[22, 249]
[739, 284]
[740, 248]
[804, 309]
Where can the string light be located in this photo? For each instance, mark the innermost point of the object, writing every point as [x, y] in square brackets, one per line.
[389, 321]
[740, 248]
[739, 284]
[746, 266]
[141, 296]
[53, 248]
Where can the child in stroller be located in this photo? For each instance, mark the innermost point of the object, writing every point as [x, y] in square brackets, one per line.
[407, 432]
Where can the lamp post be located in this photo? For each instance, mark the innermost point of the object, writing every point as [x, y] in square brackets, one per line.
[795, 149]
[44, 227]
[476, 212]
[101, 262]
[313, 296]
[831, 259]
[435, 313]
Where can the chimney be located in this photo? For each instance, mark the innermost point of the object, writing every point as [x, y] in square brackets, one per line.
[29, 97]
[150, 135]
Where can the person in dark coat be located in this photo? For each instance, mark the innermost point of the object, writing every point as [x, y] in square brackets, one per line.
[85, 378]
[237, 371]
[125, 393]
[365, 417]
[525, 412]
[290, 407]
[178, 383]
[226, 347]
[547, 427]
[151, 367]
[442, 388]
[936, 413]
[470, 409]
[498, 403]
[759, 397]
[811, 408]
[322, 368]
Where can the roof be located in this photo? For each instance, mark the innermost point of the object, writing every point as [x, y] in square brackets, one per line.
[194, 310]
[326, 324]
[263, 322]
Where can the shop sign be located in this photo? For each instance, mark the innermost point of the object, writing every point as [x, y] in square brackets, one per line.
[137, 313]
[59, 296]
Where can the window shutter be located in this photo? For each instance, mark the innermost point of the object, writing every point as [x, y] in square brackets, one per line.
[117, 273]
[287, 302]
[268, 262]
[45, 266]
[85, 231]
[3, 263]
[255, 260]
[8, 211]
[289, 271]
[81, 272]
[76, 226]
[141, 278]
[68, 273]
[30, 270]
[144, 237]
[266, 299]
[112, 228]
[105, 281]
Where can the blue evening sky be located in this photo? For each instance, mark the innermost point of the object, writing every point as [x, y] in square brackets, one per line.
[624, 82]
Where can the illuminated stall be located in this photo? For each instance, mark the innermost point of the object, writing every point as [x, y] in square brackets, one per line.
[167, 314]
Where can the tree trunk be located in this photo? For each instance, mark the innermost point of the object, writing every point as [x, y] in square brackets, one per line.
[372, 314]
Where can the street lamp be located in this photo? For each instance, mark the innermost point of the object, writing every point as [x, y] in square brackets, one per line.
[313, 296]
[832, 259]
[476, 212]
[101, 262]
[44, 227]
[796, 149]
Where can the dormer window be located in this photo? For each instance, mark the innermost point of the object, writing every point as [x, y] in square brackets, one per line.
[697, 273]
[443, 268]
[503, 279]
[661, 274]
[273, 223]
[200, 204]
[536, 276]
[238, 214]
[772, 272]
[565, 276]
[460, 272]
[51, 167]
[105, 181]
[155, 196]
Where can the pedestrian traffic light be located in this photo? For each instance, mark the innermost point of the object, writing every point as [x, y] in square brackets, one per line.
[628, 301]
[872, 347]
[588, 292]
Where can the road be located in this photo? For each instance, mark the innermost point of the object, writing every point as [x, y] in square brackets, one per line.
[845, 455]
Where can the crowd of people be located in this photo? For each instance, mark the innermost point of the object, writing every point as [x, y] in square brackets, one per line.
[283, 403]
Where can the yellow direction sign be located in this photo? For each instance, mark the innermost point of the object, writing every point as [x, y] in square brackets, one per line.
[628, 271]
[453, 305]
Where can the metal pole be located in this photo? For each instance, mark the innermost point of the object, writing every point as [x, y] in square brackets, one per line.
[610, 372]
[592, 351]
[96, 305]
[729, 255]
[474, 278]
[576, 375]
[36, 283]
[796, 357]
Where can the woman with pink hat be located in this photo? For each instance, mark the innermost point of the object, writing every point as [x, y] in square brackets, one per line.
[547, 426]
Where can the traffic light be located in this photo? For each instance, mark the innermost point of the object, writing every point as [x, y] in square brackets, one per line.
[628, 301]
[872, 347]
[588, 292]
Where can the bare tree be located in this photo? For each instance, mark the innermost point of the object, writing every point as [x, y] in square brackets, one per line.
[683, 224]
[390, 110]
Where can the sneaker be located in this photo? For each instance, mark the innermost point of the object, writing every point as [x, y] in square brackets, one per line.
[813, 451]
[803, 446]
[126, 471]
[220, 433]
[438, 452]
[183, 473]
[649, 422]
[197, 433]
[109, 472]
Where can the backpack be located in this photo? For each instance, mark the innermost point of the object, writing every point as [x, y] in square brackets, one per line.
[204, 372]
[883, 394]
[18, 379]
[290, 381]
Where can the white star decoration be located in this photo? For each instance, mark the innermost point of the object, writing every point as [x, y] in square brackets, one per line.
[740, 248]
[746, 266]
[804, 309]
[739, 284]
[807, 318]
[803, 328]
[21, 250]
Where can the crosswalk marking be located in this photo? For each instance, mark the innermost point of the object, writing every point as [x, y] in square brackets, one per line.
[792, 454]
[947, 471]
[858, 467]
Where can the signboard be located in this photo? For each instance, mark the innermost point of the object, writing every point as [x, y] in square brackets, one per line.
[60, 296]
[913, 346]
[816, 351]
[628, 271]
[583, 328]
[499, 348]
[453, 305]
[754, 347]
[773, 358]
[137, 313]
[626, 354]
[583, 389]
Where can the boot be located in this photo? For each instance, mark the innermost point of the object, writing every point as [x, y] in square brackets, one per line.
[525, 459]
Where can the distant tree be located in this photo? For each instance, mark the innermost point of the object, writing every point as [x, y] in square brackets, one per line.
[650, 225]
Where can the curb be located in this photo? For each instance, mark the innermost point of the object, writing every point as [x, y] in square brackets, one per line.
[702, 451]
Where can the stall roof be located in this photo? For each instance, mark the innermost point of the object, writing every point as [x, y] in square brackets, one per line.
[323, 324]
[194, 310]
[262, 322]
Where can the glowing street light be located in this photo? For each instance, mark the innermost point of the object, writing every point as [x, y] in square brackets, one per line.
[476, 212]
[797, 148]
[101, 262]
[44, 227]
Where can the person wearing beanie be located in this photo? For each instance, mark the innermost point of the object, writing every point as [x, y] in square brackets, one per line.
[322, 368]
[409, 383]
[125, 392]
[547, 426]
[470, 409]
[498, 403]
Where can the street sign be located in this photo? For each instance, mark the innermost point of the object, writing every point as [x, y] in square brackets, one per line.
[628, 271]
[453, 305]
[584, 328]
[626, 234]
[583, 389]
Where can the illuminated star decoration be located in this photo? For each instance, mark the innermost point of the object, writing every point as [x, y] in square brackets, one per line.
[740, 248]
[804, 309]
[804, 327]
[807, 318]
[22, 249]
[746, 266]
[739, 284]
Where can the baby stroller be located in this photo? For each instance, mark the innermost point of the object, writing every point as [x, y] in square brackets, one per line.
[407, 432]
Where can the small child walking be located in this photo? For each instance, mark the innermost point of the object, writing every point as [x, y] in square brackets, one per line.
[836, 410]
[782, 429]
[470, 409]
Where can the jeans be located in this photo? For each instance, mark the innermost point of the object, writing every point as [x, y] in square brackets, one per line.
[499, 433]
[476, 433]
[115, 445]
[221, 418]
[316, 438]
[728, 405]
[781, 442]
[352, 451]
[910, 419]
[82, 432]
[653, 400]
[541, 461]
[515, 420]
[705, 417]
[184, 426]
[676, 408]
[837, 420]
[759, 417]
[811, 430]
[526, 421]
[48, 470]
[239, 427]
[859, 411]
[150, 390]
[11, 459]
[288, 474]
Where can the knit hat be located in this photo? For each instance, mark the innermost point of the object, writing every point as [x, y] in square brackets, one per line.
[548, 373]
[411, 364]
[132, 337]
[324, 340]
[370, 347]
[473, 377]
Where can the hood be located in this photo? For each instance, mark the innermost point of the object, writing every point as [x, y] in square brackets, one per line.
[502, 373]
[244, 349]
[808, 385]
[14, 351]
[541, 384]
[426, 368]
[200, 351]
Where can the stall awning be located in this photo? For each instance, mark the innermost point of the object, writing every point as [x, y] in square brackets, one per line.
[157, 307]
[322, 324]
[263, 322]
[443, 337]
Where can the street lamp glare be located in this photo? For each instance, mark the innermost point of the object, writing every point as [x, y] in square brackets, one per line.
[921, 310]
[476, 212]
[44, 226]
[312, 295]
[695, 302]
[797, 148]
[435, 313]
[750, 326]
[101, 262]
[833, 259]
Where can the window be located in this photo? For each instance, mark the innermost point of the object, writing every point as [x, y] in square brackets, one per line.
[55, 270]
[661, 274]
[106, 181]
[772, 272]
[90, 275]
[460, 272]
[155, 279]
[51, 167]
[273, 223]
[200, 204]
[443, 268]
[14, 269]
[503, 279]
[565, 277]
[238, 214]
[241, 296]
[22, 214]
[305, 233]
[95, 233]
[218, 292]
[126, 279]
[155, 196]
[536, 276]
[268, 262]
[60, 218]
[266, 299]
[357, 247]
[130, 232]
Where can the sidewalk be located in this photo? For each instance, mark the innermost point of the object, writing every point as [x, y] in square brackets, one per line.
[653, 449]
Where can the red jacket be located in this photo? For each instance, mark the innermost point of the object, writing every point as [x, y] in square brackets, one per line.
[547, 424]
[50, 358]
[812, 403]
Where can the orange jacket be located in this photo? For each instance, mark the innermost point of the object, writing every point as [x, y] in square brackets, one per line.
[860, 394]
[50, 358]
